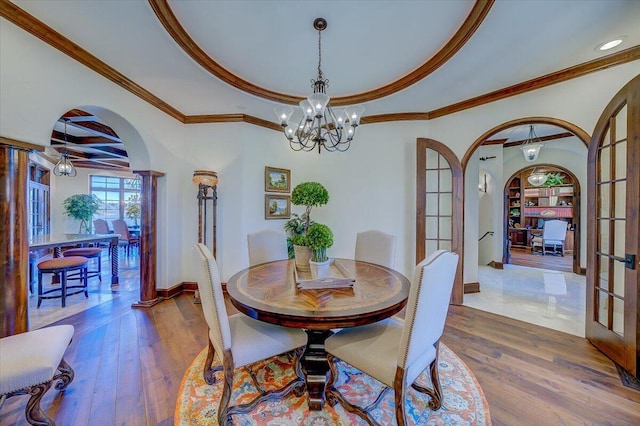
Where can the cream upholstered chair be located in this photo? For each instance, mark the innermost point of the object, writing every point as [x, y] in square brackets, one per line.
[240, 341]
[267, 245]
[554, 233]
[29, 364]
[376, 247]
[396, 353]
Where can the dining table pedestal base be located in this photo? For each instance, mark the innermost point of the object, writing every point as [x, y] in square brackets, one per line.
[316, 366]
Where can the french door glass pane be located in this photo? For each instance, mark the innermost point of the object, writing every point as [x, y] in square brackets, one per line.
[620, 189]
[446, 204]
[431, 228]
[618, 278]
[445, 245]
[603, 279]
[445, 227]
[621, 160]
[619, 238]
[603, 308]
[432, 159]
[621, 124]
[618, 316]
[432, 181]
[605, 164]
[445, 180]
[605, 197]
[603, 241]
[432, 204]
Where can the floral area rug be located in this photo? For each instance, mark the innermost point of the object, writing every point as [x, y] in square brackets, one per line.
[463, 400]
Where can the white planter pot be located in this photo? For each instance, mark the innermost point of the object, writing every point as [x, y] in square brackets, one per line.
[302, 256]
[319, 269]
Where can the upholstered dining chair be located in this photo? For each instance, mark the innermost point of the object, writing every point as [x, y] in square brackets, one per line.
[267, 245]
[240, 341]
[396, 353]
[376, 247]
[125, 239]
[554, 233]
[100, 226]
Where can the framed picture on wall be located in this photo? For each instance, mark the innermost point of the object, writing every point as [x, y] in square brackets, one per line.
[277, 206]
[277, 180]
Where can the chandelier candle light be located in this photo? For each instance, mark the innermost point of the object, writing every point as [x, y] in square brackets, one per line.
[320, 125]
[530, 148]
[64, 167]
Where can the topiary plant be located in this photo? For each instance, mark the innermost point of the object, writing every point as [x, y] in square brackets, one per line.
[309, 194]
[133, 208]
[554, 179]
[81, 207]
[319, 238]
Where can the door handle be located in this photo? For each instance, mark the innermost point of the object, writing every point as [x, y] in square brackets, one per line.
[629, 261]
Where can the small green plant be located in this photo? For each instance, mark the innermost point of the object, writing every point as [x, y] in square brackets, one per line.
[133, 208]
[319, 238]
[81, 207]
[554, 179]
[309, 194]
[514, 212]
[294, 228]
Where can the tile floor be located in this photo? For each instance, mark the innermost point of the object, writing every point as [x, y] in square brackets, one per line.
[543, 297]
[99, 292]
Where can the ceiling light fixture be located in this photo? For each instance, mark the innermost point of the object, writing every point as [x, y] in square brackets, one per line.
[64, 167]
[531, 148]
[320, 126]
[609, 44]
[537, 178]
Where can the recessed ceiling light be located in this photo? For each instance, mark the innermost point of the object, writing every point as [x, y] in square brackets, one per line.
[609, 44]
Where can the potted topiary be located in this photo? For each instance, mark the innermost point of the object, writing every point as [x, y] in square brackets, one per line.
[319, 237]
[82, 207]
[133, 209]
[308, 194]
[553, 179]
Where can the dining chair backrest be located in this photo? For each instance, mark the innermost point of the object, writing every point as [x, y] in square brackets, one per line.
[267, 245]
[120, 227]
[100, 226]
[427, 308]
[212, 299]
[376, 247]
[554, 230]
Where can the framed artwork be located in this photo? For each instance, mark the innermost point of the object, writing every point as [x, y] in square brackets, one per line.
[277, 206]
[277, 180]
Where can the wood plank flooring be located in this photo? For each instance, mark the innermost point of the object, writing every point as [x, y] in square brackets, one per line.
[129, 364]
[536, 260]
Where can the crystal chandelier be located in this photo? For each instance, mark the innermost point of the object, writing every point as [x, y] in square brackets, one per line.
[320, 126]
[64, 167]
[531, 148]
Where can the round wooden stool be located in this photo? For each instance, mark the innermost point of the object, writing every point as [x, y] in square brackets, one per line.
[62, 265]
[89, 253]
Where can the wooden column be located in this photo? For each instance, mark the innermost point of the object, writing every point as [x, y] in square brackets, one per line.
[148, 238]
[14, 249]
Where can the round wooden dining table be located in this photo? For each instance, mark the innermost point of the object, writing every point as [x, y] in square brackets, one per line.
[268, 292]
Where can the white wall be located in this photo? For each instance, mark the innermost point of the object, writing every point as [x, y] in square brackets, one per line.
[371, 186]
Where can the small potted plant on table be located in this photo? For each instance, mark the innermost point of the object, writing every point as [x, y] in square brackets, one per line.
[319, 237]
[308, 194]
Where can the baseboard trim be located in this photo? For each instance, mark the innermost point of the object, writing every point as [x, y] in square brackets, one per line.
[471, 288]
[496, 265]
[183, 287]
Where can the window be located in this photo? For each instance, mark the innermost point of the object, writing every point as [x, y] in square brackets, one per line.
[39, 202]
[119, 198]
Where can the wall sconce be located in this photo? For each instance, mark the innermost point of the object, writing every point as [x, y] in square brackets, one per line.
[482, 186]
[206, 180]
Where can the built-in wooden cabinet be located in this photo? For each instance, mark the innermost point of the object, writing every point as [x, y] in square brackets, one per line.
[528, 206]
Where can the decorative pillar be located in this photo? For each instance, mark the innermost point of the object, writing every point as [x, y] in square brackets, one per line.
[14, 249]
[148, 238]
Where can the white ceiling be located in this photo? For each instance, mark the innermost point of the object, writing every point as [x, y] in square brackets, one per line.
[366, 45]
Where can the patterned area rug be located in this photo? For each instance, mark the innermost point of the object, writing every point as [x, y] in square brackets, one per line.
[463, 402]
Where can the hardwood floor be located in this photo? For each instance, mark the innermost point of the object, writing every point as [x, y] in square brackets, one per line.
[129, 364]
[536, 260]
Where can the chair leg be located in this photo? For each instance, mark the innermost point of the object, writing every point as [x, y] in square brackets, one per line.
[65, 375]
[100, 267]
[436, 393]
[398, 389]
[33, 412]
[85, 281]
[209, 373]
[224, 419]
[39, 288]
[64, 288]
